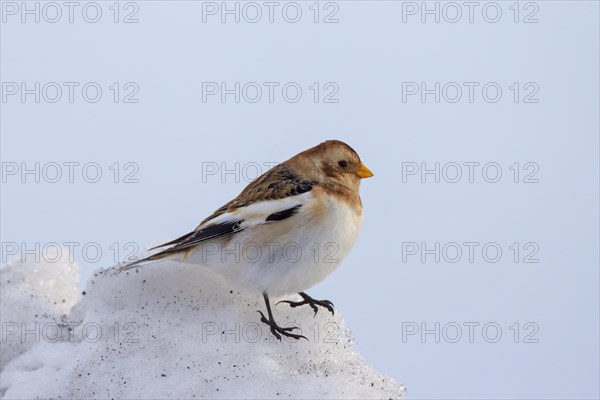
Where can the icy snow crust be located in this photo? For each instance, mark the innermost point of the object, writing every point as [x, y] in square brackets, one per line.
[166, 331]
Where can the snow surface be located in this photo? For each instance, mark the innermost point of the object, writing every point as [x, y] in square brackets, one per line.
[166, 331]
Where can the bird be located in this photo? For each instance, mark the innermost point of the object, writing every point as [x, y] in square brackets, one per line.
[285, 232]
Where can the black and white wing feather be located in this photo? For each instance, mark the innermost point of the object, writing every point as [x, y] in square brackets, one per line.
[272, 197]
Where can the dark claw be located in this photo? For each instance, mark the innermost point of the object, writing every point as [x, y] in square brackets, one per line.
[277, 330]
[262, 317]
[311, 302]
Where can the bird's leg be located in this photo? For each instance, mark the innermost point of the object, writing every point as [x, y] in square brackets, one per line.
[311, 302]
[276, 330]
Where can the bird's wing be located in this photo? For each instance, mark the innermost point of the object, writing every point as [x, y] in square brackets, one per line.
[274, 196]
[279, 183]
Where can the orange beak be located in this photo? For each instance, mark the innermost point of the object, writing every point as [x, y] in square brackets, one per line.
[364, 172]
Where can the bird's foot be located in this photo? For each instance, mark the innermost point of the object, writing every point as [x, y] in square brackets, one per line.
[311, 302]
[277, 330]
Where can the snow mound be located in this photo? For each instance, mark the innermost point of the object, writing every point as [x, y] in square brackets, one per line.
[167, 330]
[33, 295]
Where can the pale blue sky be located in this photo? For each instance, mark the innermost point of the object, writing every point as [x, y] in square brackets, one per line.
[371, 61]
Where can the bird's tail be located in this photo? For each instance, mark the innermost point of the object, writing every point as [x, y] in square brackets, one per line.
[168, 253]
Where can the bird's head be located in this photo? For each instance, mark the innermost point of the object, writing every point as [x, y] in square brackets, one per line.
[334, 160]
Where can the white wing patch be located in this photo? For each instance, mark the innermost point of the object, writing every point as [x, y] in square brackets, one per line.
[257, 213]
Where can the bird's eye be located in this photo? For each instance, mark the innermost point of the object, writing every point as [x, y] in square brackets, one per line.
[343, 164]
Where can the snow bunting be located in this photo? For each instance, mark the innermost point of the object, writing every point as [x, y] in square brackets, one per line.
[285, 232]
